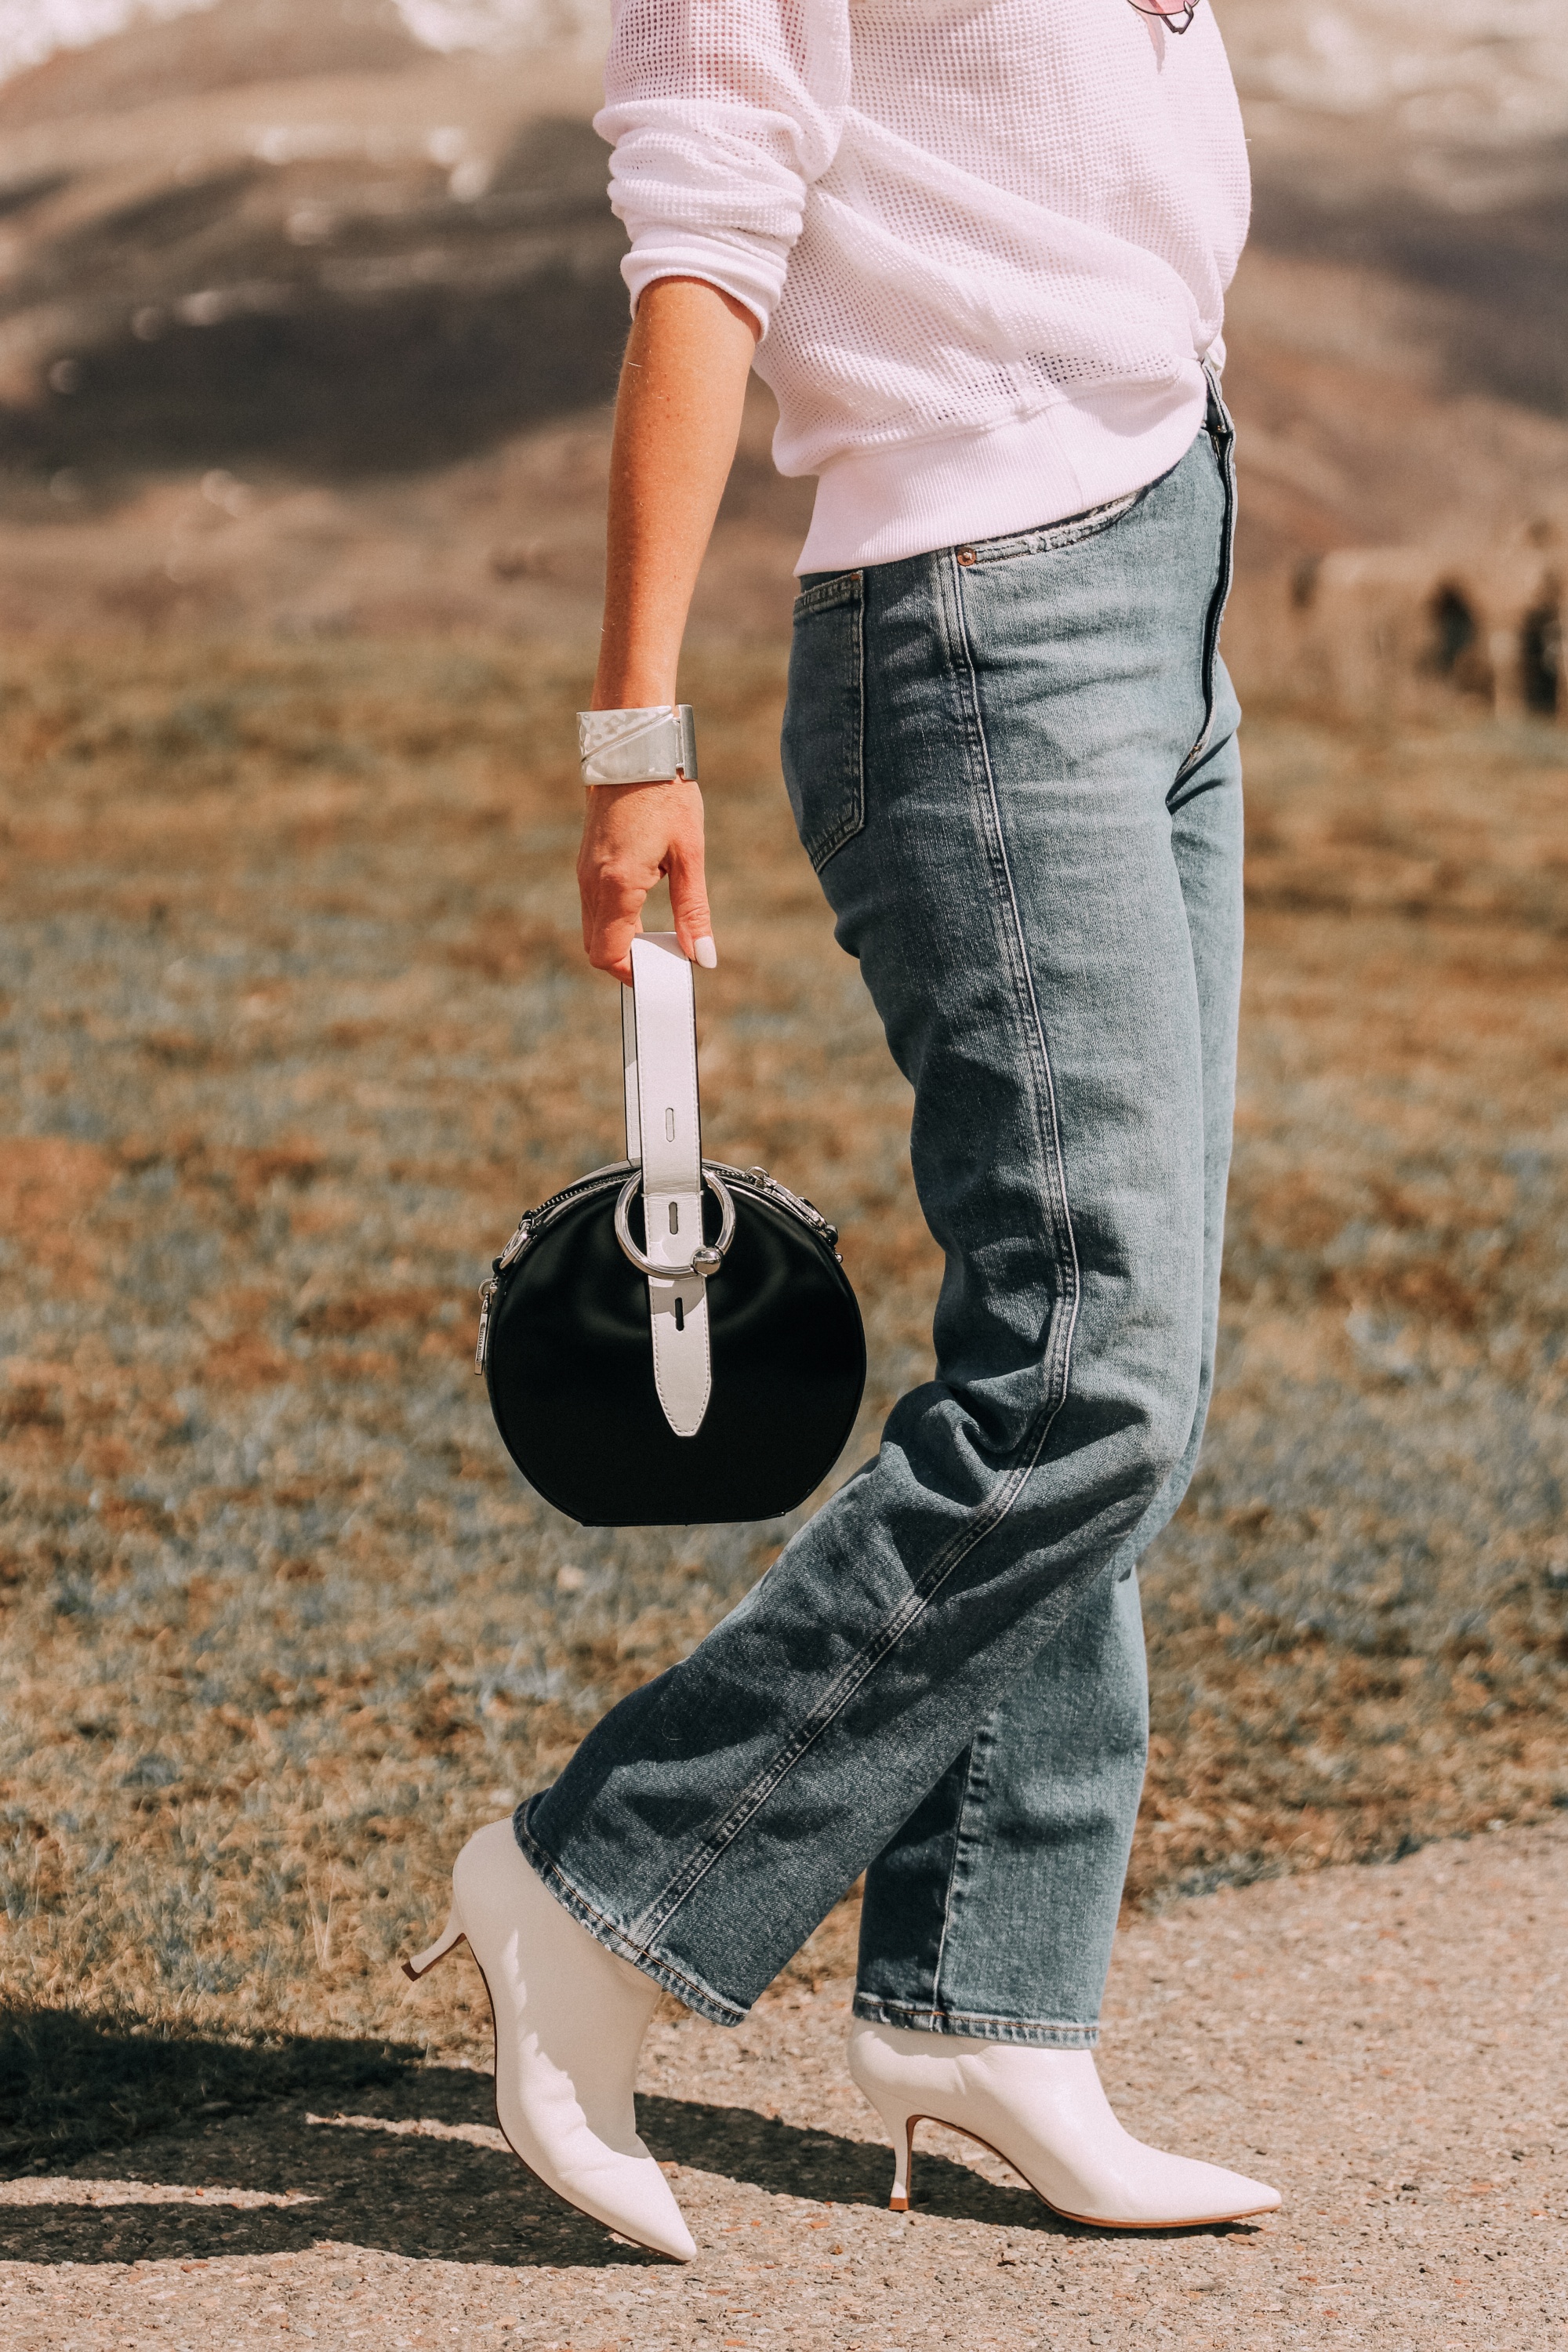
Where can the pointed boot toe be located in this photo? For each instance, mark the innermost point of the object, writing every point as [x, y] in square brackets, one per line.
[570, 2019]
[633, 2197]
[1143, 2187]
[1208, 2191]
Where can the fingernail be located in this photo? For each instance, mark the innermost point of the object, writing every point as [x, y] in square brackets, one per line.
[707, 955]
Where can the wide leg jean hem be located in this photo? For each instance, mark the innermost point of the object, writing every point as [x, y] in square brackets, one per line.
[1034, 2034]
[589, 1914]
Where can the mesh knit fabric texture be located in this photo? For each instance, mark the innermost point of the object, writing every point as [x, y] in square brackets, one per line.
[988, 239]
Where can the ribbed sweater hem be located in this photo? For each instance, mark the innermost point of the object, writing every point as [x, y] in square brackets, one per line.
[877, 506]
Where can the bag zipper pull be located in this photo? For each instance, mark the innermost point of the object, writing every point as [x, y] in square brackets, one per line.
[515, 1246]
[486, 1296]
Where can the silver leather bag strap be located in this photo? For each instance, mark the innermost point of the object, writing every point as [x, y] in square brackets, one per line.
[658, 1037]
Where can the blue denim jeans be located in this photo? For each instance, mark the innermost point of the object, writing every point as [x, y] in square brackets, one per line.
[1015, 767]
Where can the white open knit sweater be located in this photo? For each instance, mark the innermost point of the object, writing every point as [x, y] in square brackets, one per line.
[988, 240]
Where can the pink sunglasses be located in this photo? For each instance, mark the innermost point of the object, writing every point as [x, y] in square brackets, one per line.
[1177, 14]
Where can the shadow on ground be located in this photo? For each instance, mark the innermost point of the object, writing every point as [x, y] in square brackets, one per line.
[71, 2081]
[404, 2173]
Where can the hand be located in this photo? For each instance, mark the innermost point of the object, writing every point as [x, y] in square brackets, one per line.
[631, 834]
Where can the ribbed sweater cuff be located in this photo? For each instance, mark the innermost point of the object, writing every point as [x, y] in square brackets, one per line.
[753, 270]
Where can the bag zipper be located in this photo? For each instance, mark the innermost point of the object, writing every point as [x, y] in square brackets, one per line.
[807, 1211]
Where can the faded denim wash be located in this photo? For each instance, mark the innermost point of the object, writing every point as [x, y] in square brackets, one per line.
[1015, 767]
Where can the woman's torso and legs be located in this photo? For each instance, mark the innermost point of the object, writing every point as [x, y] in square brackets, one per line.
[1015, 766]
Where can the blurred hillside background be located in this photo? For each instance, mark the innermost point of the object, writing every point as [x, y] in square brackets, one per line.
[309, 314]
[310, 318]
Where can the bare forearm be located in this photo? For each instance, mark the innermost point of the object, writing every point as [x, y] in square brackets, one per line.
[677, 418]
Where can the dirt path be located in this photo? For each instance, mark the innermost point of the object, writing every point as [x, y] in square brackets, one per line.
[1385, 2042]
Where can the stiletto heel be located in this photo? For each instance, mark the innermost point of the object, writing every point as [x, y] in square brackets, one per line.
[450, 1936]
[900, 2130]
[903, 2163]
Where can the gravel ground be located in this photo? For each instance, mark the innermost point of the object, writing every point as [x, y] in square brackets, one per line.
[1374, 2039]
[293, 1022]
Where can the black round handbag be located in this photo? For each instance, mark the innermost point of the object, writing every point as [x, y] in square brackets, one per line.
[670, 1339]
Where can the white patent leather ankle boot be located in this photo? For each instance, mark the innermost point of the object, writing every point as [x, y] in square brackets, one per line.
[570, 2019]
[1046, 2113]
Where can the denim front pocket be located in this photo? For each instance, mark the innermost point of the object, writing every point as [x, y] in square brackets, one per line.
[825, 718]
[1052, 537]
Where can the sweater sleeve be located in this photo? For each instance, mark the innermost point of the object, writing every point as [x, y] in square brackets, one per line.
[721, 113]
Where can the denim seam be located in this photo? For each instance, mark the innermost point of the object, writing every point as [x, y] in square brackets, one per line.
[838, 590]
[1056, 538]
[854, 821]
[874, 2008]
[1061, 1208]
[989, 1515]
[848, 593]
[977, 1746]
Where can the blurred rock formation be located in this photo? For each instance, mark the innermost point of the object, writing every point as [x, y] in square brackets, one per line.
[284, 228]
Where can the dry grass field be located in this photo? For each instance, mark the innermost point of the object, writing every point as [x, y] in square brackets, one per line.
[293, 1022]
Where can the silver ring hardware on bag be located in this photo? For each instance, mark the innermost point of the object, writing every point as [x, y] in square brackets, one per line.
[705, 1260]
[753, 1182]
[638, 747]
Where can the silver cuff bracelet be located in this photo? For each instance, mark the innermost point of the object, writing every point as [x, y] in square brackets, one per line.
[638, 747]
